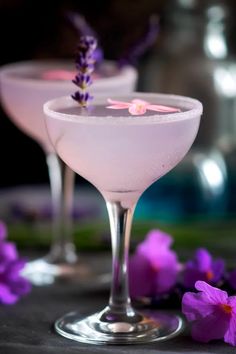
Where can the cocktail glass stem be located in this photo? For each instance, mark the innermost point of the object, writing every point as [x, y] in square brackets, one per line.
[119, 322]
[119, 308]
[62, 188]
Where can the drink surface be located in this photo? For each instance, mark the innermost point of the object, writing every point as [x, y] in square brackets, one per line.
[124, 158]
[102, 111]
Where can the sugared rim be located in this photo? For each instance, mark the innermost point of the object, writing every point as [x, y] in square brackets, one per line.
[193, 106]
[7, 70]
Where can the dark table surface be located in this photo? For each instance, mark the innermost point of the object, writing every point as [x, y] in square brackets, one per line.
[27, 327]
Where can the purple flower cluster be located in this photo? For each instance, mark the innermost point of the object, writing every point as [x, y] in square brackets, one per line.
[12, 284]
[154, 272]
[85, 61]
[203, 267]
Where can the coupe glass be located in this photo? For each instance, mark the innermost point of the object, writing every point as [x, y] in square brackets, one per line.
[25, 86]
[121, 155]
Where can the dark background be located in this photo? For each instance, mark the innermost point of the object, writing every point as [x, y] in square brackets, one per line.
[39, 29]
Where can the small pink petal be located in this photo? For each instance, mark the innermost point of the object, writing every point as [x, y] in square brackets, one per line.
[116, 107]
[137, 109]
[118, 104]
[160, 108]
[142, 102]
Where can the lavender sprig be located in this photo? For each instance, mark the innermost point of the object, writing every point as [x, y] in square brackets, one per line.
[85, 61]
[143, 44]
[84, 29]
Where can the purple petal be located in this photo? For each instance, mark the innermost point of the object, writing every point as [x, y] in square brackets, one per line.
[166, 278]
[6, 296]
[13, 270]
[8, 252]
[203, 259]
[211, 294]
[191, 275]
[194, 306]
[141, 276]
[155, 242]
[230, 335]
[20, 286]
[213, 326]
[218, 268]
[3, 231]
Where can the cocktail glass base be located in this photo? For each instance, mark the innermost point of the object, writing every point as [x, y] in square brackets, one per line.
[43, 271]
[48, 270]
[151, 326]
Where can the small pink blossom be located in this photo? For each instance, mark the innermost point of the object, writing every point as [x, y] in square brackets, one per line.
[139, 107]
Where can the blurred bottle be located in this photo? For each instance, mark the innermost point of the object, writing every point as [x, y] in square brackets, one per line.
[196, 57]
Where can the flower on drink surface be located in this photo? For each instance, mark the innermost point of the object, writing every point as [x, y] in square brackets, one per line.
[203, 267]
[154, 266]
[139, 107]
[212, 313]
[85, 61]
[12, 284]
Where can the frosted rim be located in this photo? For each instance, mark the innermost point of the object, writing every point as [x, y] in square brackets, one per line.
[127, 72]
[194, 109]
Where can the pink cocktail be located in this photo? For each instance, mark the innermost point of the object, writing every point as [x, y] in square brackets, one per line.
[25, 87]
[121, 155]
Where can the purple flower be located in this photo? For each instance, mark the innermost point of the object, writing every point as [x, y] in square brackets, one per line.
[203, 267]
[83, 28]
[82, 81]
[153, 268]
[212, 313]
[82, 98]
[85, 65]
[12, 284]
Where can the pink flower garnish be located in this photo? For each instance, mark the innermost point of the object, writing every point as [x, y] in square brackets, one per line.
[139, 107]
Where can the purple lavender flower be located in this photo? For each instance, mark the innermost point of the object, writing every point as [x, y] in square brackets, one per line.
[12, 284]
[153, 268]
[212, 313]
[85, 65]
[82, 81]
[83, 28]
[203, 267]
